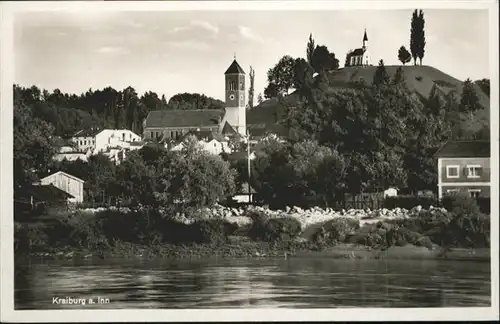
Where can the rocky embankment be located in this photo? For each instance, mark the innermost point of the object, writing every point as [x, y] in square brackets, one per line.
[306, 217]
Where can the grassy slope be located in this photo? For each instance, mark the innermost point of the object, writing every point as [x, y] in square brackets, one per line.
[419, 79]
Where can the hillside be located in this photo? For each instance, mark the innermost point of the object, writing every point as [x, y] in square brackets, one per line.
[419, 79]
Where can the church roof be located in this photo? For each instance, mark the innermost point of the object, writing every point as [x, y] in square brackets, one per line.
[365, 38]
[356, 52]
[234, 68]
[184, 118]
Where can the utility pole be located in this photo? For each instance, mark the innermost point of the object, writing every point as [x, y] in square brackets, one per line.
[248, 166]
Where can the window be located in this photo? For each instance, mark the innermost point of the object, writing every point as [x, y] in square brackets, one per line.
[232, 85]
[171, 134]
[474, 193]
[242, 86]
[473, 171]
[451, 191]
[151, 134]
[452, 171]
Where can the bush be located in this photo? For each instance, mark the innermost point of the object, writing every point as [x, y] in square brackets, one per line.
[29, 237]
[409, 202]
[210, 231]
[468, 227]
[387, 234]
[335, 230]
[273, 229]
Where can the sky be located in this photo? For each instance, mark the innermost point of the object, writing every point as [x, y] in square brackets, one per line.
[175, 52]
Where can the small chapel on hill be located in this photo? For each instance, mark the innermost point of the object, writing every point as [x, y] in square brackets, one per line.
[358, 56]
[174, 124]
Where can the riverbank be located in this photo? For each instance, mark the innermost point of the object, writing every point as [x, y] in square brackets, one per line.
[248, 249]
[258, 232]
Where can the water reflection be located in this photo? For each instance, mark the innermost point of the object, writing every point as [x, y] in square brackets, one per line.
[254, 283]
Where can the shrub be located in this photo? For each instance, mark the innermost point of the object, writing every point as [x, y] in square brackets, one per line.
[408, 202]
[274, 229]
[335, 230]
[29, 237]
[210, 231]
[387, 234]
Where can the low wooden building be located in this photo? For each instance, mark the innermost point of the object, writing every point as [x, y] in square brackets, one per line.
[66, 182]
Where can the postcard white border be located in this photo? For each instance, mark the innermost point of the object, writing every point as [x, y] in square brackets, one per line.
[8, 9]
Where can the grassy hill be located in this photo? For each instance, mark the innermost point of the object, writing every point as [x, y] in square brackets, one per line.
[419, 79]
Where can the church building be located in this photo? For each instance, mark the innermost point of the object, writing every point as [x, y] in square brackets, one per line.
[173, 124]
[358, 56]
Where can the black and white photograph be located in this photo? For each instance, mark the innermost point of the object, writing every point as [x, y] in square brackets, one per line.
[249, 160]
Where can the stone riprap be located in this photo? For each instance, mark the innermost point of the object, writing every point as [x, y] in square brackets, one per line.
[306, 217]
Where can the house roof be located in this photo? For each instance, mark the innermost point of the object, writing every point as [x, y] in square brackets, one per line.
[65, 174]
[228, 129]
[88, 132]
[205, 135]
[234, 68]
[184, 118]
[464, 149]
[43, 193]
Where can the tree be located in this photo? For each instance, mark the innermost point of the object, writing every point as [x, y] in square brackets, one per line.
[403, 55]
[303, 74]
[322, 59]
[260, 99]
[281, 77]
[469, 101]
[380, 77]
[185, 101]
[33, 143]
[484, 84]
[414, 36]
[251, 88]
[311, 46]
[192, 179]
[421, 36]
[399, 78]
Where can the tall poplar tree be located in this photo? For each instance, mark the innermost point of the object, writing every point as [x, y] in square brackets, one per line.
[414, 36]
[251, 89]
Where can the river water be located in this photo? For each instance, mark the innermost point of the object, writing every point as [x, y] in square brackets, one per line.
[251, 283]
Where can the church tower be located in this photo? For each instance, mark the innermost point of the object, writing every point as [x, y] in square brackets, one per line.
[235, 98]
[366, 57]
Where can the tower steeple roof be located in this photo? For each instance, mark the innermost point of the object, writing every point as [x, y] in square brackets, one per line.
[365, 38]
[234, 68]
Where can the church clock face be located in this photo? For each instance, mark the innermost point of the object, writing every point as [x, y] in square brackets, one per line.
[231, 96]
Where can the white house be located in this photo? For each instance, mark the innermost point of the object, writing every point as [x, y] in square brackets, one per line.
[211, 142]
[391, 192]
[244, 193]
[85, 139]
[67, 183]
[71, 156]
[115, 138]
[98, 140]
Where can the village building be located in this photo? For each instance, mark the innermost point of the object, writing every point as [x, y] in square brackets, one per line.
[174, 124]
[99, 140]
[67, 183]
[34, 197]
[244, 193]
[210, 141]
[464, 166]
[359, 56]
[71, 156]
